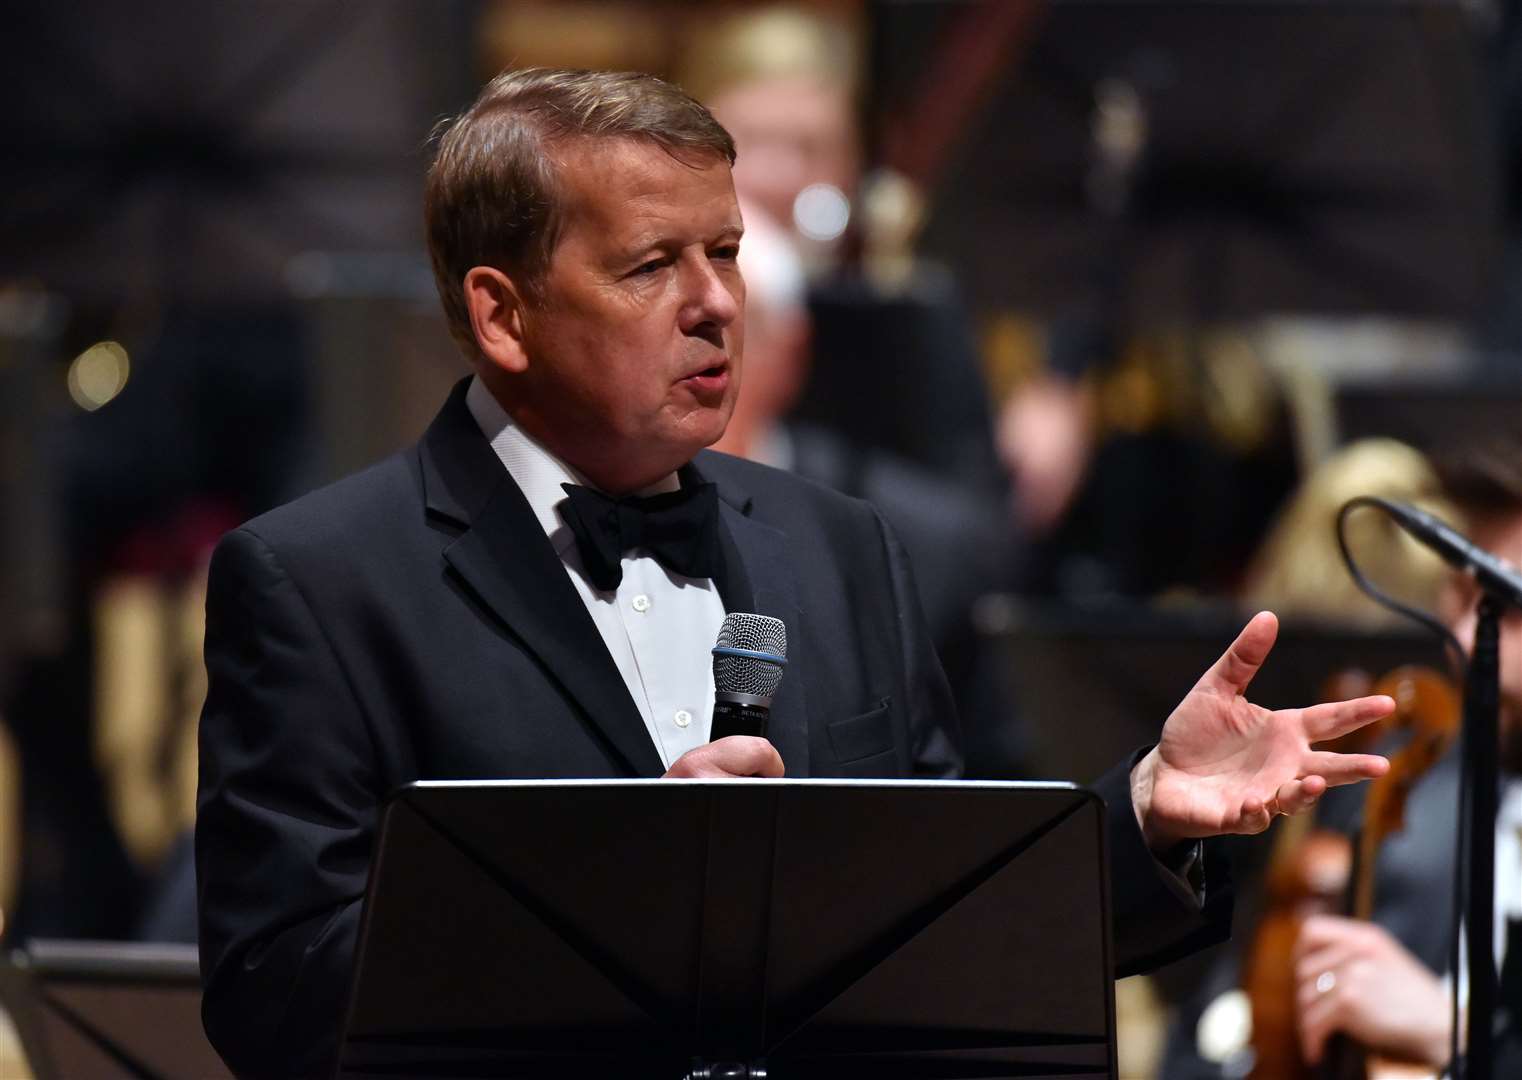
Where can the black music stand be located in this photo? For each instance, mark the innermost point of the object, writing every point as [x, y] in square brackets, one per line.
[107, 1009]
[789, 929]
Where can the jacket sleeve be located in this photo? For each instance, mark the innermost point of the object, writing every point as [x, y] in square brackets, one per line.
[1155, 921]
[288, 797]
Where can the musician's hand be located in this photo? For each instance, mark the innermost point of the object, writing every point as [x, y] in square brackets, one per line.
[737, 755]
[1224, 765]
[1353, 977]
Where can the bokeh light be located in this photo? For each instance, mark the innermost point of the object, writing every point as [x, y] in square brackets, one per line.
[98, 374]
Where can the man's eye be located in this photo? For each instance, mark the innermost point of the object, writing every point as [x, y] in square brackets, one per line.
[728, 252]
[649, 267]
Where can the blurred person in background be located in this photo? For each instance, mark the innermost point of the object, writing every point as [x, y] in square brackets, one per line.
[1118, 440]
[163, 178]
[782, 80]
[1361, 979]
[957, 537]
[1298, 569]
[900, 371]
[210, 428]
[1382, 982]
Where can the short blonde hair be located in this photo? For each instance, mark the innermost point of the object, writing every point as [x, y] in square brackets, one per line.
[1299, 570]
[785, 41]
[491, 197]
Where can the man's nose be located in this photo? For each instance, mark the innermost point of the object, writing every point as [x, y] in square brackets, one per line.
[713, 295]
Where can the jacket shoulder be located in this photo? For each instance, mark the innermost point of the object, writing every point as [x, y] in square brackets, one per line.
[772, 488]
[364, 504]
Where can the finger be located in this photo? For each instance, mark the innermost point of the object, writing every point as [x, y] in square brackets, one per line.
[1239, 663]
[1334, 956]
[1336, 718]
[1317, 1022]
[746, 755]
[1310, 999]
[1339, 769]
[695, 765]
[1294, 796]
[1320, 930]
[737, 755]
[1253, 817]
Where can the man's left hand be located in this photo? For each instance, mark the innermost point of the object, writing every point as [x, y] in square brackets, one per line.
[1225, 765]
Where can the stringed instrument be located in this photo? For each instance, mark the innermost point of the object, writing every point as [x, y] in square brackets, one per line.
[1325, 872]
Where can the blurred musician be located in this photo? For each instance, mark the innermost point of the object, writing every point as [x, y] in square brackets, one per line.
[1385, 982]
[1357, 977]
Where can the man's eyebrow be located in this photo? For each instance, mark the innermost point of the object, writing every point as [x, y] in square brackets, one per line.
[641, 244]
[650, 241]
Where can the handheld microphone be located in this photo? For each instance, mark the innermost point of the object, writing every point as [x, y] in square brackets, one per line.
[1494, 575]
[748, 659]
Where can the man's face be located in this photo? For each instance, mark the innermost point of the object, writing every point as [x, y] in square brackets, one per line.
[634, 340]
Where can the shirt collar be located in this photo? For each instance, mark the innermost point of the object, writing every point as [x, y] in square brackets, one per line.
[537, 472]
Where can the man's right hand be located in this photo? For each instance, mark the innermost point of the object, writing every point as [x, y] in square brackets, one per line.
[737, 755]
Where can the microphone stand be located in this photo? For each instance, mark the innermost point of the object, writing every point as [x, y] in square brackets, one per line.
[1500, 588]
[1481, 737]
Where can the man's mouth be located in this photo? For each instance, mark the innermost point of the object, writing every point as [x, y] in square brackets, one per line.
[709, 382]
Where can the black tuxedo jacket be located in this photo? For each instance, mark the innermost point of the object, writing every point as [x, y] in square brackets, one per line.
[413, 622]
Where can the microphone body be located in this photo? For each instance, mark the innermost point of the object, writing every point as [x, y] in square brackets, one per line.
[732, 715]
[1494, 575]
[748, 660]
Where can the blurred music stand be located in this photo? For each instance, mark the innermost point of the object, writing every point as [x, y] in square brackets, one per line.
[1431, 415]
[189, 156]
[1093, 685]
[107, 1010]
[681, 928]
[1264, 183]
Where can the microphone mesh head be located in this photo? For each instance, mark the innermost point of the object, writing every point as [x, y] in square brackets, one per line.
[745, 674]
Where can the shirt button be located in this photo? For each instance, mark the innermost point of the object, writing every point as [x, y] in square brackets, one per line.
[682, 718]
[640, 603]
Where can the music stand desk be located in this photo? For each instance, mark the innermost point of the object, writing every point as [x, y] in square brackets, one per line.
[786, 928]
[108, 1009]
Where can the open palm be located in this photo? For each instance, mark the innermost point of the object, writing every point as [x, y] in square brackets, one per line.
[1225, 765]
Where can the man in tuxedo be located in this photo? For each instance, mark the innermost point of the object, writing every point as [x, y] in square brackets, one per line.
[533, 590]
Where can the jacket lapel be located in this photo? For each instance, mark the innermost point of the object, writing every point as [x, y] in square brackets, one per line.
[758, 577]
[504, 557]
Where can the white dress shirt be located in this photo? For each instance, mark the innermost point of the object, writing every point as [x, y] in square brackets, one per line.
[659, 626]
[1508, 861]
[1508, 886]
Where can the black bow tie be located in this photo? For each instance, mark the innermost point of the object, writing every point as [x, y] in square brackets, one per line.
[680, 528]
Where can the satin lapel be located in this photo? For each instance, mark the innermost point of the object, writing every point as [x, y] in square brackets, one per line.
[759, 573]
[506, 560]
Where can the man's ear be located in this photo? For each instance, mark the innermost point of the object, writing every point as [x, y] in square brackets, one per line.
[497, 317]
